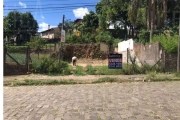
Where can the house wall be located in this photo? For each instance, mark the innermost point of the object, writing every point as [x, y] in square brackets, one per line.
[49, 35]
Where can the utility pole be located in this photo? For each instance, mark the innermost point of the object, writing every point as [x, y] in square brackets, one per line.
[60, 40]
[178, 57]
[152, 15]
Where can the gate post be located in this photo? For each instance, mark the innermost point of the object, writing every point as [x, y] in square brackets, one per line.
[4, 62]
[27, 59]
[5, 51]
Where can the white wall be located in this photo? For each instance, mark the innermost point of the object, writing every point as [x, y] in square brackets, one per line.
[122, 46]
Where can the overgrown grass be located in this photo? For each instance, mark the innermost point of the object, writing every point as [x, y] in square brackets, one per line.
[90, 70]
[154, 77]
[177, 74]
[105, 79]
[16, 49]
[79, 71]
[50, 45]
[29, 82]
[19, 57]
[104, 70]
[47, 65]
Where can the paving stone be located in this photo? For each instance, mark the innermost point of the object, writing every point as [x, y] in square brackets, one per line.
[131, 101]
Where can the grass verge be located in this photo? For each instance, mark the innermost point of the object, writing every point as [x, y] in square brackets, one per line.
[28, 82]
[152, 77]
[105, 79]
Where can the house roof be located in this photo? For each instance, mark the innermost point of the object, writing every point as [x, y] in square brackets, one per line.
[77, 20]
[55, 29]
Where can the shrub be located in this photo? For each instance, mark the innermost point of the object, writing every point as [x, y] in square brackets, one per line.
[130, 69]
[17, 49]
[169, 43]
[106, 79]
[90, 70]
[144, 36]
[79, 71]
[104, 70]
[49, 65]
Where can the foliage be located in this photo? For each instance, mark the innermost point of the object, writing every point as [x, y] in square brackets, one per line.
[169, 43]
[73, 39]
[78, 71]
[48, 65]
[151, 76]
[36, 42]
[19, 57]
[68, 26]
[29, 82]
[112, 11]
[104, 36]
[90, 70]
[141, 18]
[144, 36]
[133, 11]
[19, 23]
[16, 49]
[129, 69]
[116, 41]
[106, 79]
[104, 70]
[177, 74]
[90, 22]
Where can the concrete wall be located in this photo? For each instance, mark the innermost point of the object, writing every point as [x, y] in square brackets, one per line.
[150, 54]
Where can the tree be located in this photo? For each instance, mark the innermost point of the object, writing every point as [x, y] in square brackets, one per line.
[137, 13]
[36, 42]
[67, 26]
[112, 11]
[90, 22]
[20, 25]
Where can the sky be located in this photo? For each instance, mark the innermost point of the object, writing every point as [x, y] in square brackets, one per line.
[50, 12]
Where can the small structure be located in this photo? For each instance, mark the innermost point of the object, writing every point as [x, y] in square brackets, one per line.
[78, 21]
[51, 34]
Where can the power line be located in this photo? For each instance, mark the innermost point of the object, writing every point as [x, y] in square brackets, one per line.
[56, 4]
[50, 11]
[36, 1]
[65, 7]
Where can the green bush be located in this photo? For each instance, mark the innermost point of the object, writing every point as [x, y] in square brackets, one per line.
[104, 36]
[169, 43]
[129, 69]
[90, 70]
[106, 79]
[104, 70]
[48, 65]
[79, 71]
[177, 74]
[17, 49]
[144, 36]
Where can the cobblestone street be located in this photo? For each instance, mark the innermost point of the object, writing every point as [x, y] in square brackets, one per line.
[124, 101]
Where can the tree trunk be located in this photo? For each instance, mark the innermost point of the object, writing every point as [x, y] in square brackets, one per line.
[148, 14]
[164, 10]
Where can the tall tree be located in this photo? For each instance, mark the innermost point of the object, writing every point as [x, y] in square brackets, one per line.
[90, 22]
[20, 25]
[112, 11]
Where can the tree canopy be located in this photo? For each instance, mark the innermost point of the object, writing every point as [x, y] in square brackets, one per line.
[16, 23]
